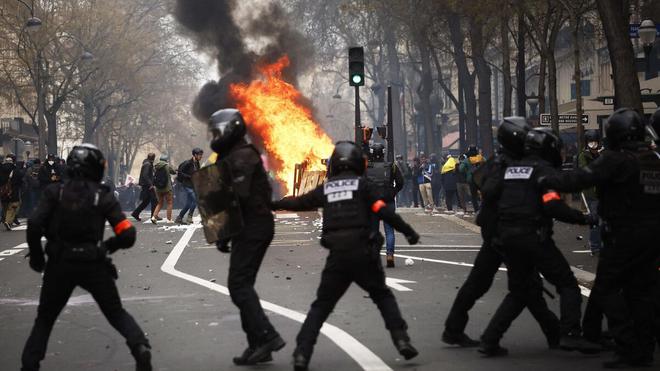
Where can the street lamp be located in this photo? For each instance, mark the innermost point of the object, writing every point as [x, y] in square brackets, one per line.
[33, 24]
[647, 35]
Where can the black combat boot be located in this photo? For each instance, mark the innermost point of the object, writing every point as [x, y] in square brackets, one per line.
[575, 341]
[262, 351]
[142, 355]
[492, 350]
[402, 343]
[462, 340]
[242, 360]
[300, 361]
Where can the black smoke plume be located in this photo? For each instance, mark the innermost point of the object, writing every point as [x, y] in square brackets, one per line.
[211, 25]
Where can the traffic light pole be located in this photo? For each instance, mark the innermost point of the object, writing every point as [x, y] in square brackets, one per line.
[358, 126]
[390, 127]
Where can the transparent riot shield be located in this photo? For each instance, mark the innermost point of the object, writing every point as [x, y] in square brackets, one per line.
[217, 203]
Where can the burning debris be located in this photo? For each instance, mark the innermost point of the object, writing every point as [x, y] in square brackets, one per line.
[260, 84]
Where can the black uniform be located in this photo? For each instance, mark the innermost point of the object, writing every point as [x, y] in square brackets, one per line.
[72, 216]
[628, 187]
[349, 202]
[250, 182]
[524, 234]
[387, 180]
[488, 179]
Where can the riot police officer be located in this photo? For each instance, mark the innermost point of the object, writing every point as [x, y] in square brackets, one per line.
[524, 235]
[510, 135]
[388, 181]
[627, 180]
[349, 203]
[241, 164]
[72, 217]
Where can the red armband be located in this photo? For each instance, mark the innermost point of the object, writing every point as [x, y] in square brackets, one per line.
[122, 226]
[378, 205]
[551, 196]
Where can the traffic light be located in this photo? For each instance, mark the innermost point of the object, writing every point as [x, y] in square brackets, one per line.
[356, 66]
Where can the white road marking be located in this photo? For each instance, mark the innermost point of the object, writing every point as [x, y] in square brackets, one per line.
[19, 228]
[24, 245]
[1, 259]
[437, 250]
[396, 283]
[582, 251]
[585, 291]
[442, 246]
[10, 252]
[286, 216]
[356, 350]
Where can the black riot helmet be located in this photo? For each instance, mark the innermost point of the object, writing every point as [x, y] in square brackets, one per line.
[544, 143]
[511, 135]
[377, 152]
[86, 161]
[623, 126]
[347, 156]
[592, 136]
[228, 127]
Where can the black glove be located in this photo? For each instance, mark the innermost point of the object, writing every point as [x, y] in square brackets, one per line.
[413, 238]
[37, 264]
[110, 245]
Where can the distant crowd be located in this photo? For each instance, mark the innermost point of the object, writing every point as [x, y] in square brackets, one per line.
[441, 183]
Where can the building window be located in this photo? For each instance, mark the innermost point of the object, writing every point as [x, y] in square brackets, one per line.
[585, 86]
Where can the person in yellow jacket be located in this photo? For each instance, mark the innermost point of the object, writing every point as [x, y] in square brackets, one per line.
[449, 184]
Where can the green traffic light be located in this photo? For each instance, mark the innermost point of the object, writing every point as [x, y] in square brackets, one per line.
[356, 79]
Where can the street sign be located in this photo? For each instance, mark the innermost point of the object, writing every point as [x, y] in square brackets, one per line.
[608, 101]
[633, 30]
[568, 119]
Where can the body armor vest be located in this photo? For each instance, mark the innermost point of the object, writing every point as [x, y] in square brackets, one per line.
[635, 197]
[77, 225]
[345, 206]
[520, 202]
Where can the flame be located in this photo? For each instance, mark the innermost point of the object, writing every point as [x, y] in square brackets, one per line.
[273, 111]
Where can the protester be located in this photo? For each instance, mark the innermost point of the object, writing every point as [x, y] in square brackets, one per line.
[473, 162]
[586, 157]
[426, 169]
[184, 178]
[404, 198]
[416, 173]
[449, 170]
[163, 185]
[7, 171]
[436, 180]
[50, 172]
[462, 186]
[148, 190]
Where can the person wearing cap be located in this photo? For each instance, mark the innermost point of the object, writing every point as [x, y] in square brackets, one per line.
[184, 176]
[50, 172]
[163, 184]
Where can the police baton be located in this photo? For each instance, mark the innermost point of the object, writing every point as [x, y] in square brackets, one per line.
[586, 204]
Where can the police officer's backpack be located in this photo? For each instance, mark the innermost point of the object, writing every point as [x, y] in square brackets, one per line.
[380, 175]
[160, 178]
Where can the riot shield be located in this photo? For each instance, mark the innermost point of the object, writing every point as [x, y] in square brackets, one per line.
[217, 203]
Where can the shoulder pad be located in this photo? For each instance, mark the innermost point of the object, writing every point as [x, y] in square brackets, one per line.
[104, 188]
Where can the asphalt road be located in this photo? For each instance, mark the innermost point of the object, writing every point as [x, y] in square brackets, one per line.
[174, 284]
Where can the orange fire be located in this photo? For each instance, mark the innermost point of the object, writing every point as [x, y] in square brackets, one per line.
[273, 111]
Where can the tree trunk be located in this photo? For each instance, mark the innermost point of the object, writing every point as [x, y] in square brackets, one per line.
[466, 79]
[51, 119]
[552, 73]
[425, 93]
[506, 67]
[543, 67]
[521, 95]
[577, 77]
[88, 117]
[614, 16]
[483, 73]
